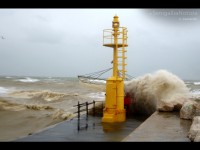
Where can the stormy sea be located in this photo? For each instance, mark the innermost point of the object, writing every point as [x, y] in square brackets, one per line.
[30, 104]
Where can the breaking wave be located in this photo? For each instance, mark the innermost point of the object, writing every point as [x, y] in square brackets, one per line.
[4, 105]
[151, 91]
[38, 107]
[94, 86]
[10, 106]
[98, 95]
[195, 94]
[3, 91]
[54, 113]
[97, 81]
[196, 83]
[44, 95]
[61, 114]
[28, 80]
[8, 77]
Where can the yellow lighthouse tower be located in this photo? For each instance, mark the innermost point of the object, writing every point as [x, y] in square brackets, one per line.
[115, 38]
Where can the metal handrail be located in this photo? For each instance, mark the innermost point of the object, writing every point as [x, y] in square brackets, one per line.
[109, 39]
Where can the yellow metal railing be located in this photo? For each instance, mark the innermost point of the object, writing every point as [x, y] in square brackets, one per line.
[108, 40]
[108, 36]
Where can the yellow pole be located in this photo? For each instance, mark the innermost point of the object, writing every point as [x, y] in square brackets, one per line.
[114, 104]
[115, 34]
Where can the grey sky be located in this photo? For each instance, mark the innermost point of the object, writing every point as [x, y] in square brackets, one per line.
[68, 42]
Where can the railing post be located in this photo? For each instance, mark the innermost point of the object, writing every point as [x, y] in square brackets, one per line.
[86, 126]
[93, 108]
[87, 109]
[78, 110]
[78, 116]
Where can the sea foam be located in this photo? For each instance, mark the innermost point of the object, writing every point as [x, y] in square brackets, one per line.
[150, 91]
[3, 90]
[28, 80]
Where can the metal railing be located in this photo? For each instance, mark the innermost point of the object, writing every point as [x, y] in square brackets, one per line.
[86, 110]
[108, 37]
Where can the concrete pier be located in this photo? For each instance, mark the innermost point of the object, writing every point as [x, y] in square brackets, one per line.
[161, 127]
[91, 129]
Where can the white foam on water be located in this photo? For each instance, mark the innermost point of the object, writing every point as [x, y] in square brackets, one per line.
[195, 93]
[50, 80]
[196, 83]
[98, 95]
[43, 95]
[8, 77]
[187, 82]
[28, 80]
[3, 91]
[97, 81]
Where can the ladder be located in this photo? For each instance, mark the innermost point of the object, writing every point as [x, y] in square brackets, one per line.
[121, 53]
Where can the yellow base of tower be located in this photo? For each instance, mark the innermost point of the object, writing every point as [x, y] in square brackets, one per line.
[114, 105]
[114, 115]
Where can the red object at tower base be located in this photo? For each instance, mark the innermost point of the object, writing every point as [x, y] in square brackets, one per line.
[127, 104]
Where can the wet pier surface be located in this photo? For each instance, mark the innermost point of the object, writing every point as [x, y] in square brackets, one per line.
[163, 127]
[91, 129]
[160, 126]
